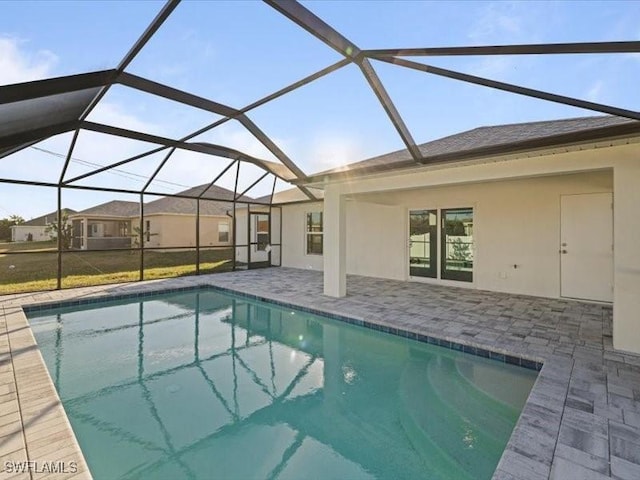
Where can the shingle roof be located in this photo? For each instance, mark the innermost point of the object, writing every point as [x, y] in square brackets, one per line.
[119, 208]
[188, 205]
[486, 137]
[45, 220]
[114, 208]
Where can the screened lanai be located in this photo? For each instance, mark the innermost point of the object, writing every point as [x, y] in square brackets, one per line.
[111, 182]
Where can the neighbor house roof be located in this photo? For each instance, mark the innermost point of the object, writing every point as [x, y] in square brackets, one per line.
[494, 140]
[45, 220]
[188, 205]
[180, 205]
[114, 208]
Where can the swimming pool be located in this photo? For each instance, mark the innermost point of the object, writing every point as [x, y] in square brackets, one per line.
[204, 384]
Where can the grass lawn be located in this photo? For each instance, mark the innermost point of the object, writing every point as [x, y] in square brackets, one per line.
[37, 269]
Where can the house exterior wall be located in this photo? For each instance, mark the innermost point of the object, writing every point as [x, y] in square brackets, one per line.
[20, 233]
[620, 155]
[626, 257]
[177, 230]
[293, 237]
[516, 222]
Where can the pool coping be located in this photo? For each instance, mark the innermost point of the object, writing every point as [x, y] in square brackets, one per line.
[45, 444]
[528, 455]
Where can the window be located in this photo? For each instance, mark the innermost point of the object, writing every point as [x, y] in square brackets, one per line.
[147, 231]
[262, 232]
[123, 229]
[457, 244]
[314, 233]
[223, 232]
[96, 230]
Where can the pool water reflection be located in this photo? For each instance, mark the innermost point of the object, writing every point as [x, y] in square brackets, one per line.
[204, 384]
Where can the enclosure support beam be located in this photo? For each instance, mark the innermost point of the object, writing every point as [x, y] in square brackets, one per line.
[72, 145]
[317, 27]
[115, 165]
[313, 24]
[206, 148]
[275, 150]
[156, 23]
[508, 87]
[116, 190]
[213, 182]
[142, 235]
[335, 243]
[197, 236]
[392, 112]
[170, 93]
[262, 101]
[273, 191]
[240, 195]
[59, 240]
[157, 170]
[235, 226]
[530, 49]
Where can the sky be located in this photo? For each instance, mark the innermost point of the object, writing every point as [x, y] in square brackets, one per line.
[238, 52]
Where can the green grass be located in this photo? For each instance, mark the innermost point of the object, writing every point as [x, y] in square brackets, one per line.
[37, 269]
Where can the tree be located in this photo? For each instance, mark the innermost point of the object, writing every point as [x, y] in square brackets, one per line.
[454, 228]
[139, 234]
[16, 219]
[460, 250]
[6, 224]
[66, 234]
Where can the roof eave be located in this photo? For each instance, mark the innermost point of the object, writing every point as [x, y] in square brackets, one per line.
[613, 132]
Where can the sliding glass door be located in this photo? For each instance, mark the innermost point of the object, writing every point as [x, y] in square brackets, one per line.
[457, 244]
[423, 254]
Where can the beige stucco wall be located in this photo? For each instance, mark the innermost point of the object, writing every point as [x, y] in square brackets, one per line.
[538, 275]
[516, 222]
[19, 233]
[293, 237]
[180, 230]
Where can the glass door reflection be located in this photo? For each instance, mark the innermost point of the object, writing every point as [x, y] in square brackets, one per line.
[457, 244]
[423, 244]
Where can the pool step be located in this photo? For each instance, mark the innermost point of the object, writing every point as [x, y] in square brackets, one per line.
[456, 427]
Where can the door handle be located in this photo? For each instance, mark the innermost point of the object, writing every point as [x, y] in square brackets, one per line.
[564, 252]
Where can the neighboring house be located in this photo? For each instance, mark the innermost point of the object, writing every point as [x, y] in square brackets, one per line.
[104, 226]
[525, 208]
[37, 229]
[168, 222]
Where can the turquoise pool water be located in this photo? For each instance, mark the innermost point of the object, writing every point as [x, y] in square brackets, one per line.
[203, 385]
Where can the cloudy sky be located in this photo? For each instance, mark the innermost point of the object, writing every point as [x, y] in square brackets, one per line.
[237, 52]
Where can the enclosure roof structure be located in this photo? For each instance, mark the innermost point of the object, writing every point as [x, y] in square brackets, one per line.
[34, 111]
[290, 195]
[493, 140]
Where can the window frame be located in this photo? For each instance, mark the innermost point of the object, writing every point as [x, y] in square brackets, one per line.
[227, 232]
[308, 233]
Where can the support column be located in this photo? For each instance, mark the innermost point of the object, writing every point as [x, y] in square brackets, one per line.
[335, 243]
[626, 255]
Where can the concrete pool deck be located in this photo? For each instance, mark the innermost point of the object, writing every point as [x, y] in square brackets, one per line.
[581, 421]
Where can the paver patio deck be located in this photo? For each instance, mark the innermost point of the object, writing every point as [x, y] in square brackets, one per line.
[581, 420]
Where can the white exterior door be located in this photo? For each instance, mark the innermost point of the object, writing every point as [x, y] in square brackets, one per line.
[586, 246]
